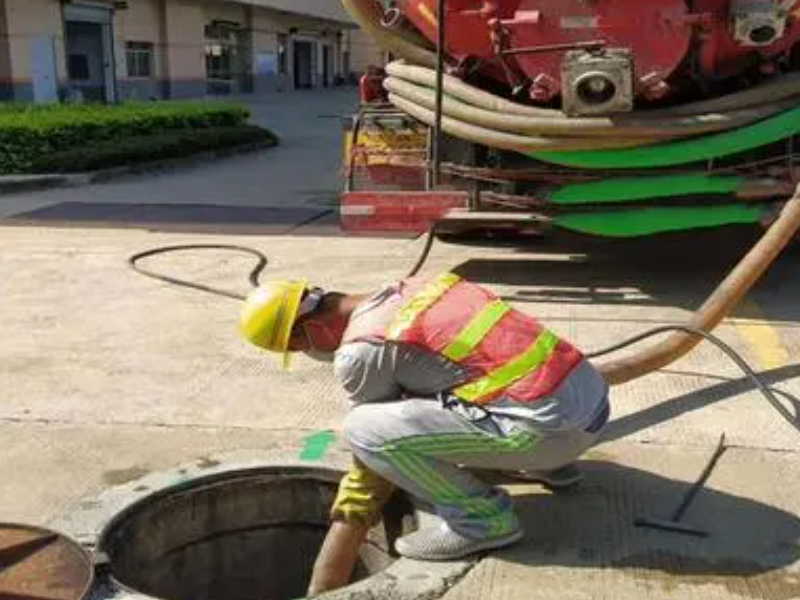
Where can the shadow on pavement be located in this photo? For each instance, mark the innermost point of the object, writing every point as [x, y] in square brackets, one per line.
[592, 527]
[668, 270]
[183, 218]
[698, 399]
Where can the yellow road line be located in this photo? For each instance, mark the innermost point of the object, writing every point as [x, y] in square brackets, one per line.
[762, 337]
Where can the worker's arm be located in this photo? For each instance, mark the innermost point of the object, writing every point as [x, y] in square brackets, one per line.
[366, 371]
[372, 372]
[381, 371]
[362, 495]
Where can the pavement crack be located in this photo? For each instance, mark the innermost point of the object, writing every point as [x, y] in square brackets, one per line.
[150, 424]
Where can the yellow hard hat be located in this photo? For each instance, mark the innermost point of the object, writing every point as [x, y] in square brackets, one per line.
[269, 313]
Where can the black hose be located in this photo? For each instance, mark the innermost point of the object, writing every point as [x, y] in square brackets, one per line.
[255, 273]
[426, 250]
[732, 354]
[254, 276]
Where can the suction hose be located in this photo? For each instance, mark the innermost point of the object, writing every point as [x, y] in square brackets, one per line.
[468, 130]
[337, 558]
[540, 130]
[720, 303]
[776, 90]
[368, 14]
[622, 126]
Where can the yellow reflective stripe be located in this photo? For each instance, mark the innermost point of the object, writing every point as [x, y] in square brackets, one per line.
[510, 372]
[419, 303]
[472, 335]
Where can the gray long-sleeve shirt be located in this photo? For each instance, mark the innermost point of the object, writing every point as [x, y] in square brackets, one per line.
[377, 370]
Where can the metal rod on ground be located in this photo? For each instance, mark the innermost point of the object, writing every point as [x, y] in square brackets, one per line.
[674, 523]
[681, 510]
[437, 140]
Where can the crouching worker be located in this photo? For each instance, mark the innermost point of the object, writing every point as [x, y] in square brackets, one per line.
[443, 376]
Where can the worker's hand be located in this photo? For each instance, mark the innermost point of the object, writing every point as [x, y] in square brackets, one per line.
[362, 495]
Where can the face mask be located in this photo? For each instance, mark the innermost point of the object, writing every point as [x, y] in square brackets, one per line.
[320, 356]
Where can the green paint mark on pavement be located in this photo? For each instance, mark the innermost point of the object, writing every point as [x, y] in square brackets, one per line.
[316, 445]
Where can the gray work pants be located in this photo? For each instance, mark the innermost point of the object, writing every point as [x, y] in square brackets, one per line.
[420, 445]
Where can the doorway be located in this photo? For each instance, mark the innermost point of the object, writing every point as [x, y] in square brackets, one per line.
[90, 55]
[303, 65]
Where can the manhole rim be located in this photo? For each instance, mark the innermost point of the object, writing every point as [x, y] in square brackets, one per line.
[324, 475]
[281, 471]
[93, 516]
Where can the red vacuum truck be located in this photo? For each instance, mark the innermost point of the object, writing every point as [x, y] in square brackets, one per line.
[613, 118]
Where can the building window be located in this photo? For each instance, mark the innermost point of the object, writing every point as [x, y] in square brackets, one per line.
[223, 60]
[140, 59]
[220, 59]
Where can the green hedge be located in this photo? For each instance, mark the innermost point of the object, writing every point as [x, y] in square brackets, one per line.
[30, 133]
[138, 149]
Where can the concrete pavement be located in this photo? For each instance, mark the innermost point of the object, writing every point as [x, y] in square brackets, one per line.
[107, 375]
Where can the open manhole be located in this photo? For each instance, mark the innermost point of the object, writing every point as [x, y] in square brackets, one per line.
[250, 535]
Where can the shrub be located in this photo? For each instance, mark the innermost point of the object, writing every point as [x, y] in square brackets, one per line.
[149, 147]
[29, 133]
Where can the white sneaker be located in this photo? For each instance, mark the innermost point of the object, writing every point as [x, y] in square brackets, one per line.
[442, 543]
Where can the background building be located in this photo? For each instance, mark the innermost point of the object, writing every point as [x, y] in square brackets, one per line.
[123, 49]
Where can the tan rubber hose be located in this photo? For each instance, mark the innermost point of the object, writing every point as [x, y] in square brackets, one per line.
[338, 556]
[775, 90]
[623, 127]
[369, 13]
[721, 302]
[359, 502]
[779, 89]
[511, 141]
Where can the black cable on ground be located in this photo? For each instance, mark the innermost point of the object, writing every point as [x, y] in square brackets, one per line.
[255, 273]
[732, 354]
[254, 276]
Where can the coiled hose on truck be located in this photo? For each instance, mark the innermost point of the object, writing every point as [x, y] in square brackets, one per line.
[484, 118]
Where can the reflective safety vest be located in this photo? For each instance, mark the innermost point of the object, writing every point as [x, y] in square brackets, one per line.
[506, 352]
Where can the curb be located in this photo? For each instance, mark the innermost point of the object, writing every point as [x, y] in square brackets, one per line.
[11, 184]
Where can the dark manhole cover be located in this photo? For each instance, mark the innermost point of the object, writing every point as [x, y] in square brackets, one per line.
[252, 535]
[38, 564]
